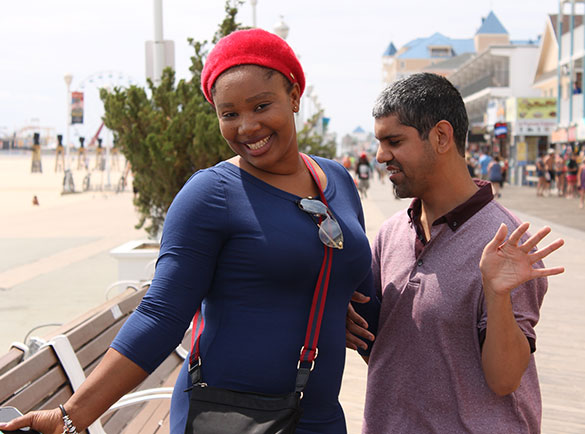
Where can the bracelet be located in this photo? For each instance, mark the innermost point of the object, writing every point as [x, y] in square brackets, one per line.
[68, 427]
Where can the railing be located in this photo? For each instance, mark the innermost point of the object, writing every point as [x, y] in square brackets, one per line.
[577, 114]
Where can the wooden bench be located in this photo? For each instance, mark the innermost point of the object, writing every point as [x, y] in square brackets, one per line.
[40, 381]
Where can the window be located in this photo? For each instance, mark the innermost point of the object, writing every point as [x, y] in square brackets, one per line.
[440, 51]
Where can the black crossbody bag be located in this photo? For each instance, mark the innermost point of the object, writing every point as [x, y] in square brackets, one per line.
[215, 410]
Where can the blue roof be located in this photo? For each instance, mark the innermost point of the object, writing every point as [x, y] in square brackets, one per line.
[419, 48]
[491, 26]
[358, 130]
[390, 51]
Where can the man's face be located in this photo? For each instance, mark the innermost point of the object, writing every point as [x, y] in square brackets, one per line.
[409, 160]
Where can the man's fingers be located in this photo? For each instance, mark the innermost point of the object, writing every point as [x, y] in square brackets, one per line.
[353, 316]
[543, 253]
[533, 241]
[518, 233]
[498, 238]
[358, 330]
[356, 324]
[545, 272]
[352, 342]
[358, 297]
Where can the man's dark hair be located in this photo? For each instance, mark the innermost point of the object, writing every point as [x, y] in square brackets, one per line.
[421, 101]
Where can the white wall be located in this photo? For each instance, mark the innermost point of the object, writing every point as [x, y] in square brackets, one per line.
[523, 62]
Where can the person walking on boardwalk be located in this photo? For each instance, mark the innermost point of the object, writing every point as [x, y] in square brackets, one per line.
[453, 351]
[495, 176]
[363, 171]
[581, 182]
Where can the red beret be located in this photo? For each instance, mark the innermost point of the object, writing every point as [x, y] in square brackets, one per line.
[251, 47]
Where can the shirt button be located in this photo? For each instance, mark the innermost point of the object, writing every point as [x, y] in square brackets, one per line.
[454, 224]
[419, 262]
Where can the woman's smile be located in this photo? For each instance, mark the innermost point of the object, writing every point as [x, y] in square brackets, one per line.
[259, 144]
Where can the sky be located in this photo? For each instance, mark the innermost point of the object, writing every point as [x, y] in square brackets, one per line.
[102, 43]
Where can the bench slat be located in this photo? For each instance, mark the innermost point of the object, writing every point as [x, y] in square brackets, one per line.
[40, 383]
[35, 393]
[150, 417]
[20, 375]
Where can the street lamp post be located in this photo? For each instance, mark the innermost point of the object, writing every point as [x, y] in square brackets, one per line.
[68, 79]
[253, 3]
[280, 28]
[158, 43]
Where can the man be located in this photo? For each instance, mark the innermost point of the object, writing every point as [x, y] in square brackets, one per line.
[453, 349]
[549, 167]
[484, 161]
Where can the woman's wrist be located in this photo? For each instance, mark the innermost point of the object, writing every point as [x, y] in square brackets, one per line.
[68, 427]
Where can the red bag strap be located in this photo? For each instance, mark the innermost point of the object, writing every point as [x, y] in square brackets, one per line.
[309, 349]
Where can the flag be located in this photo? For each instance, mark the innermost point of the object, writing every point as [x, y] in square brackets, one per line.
[76, 108]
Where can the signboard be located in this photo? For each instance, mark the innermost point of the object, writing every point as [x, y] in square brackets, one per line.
[533, 127]
[572, 134]
[76, 108]
[521, 151]
[500, 129]
[559, 136]
[537, 108]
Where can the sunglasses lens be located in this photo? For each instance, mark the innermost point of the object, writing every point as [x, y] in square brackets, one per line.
[313, 206]
[330, 233]
[329, 230]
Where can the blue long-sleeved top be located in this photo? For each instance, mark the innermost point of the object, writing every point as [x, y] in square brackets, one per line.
[246, 251]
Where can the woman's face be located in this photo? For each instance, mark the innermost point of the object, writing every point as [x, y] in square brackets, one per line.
[256, 115]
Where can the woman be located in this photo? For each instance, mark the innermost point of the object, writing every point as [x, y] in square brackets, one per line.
[581, 182]
[572, 169]
[235, 239]
[560, 175]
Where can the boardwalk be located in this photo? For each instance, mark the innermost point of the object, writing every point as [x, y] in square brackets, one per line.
[54, 264]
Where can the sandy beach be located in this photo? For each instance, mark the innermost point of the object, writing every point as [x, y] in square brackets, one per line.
[54, 257]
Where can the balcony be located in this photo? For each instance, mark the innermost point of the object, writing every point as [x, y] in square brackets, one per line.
[577, 114]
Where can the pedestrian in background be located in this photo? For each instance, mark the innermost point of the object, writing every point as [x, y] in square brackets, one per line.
[572, 169]
[581, 182]
[541, 175]
[363, 171]
[495, 176]
[470, 165]
[560, 177]
[549, 169]
[484, 161]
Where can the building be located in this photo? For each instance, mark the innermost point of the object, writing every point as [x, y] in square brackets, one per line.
[495, 77]
[422, 53]
[559, 74]
[356, 142]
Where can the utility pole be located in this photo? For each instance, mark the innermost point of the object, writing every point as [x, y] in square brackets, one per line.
[158, 45]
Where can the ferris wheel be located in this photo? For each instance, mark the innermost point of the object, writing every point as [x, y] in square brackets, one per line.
[93, 106]
[109, 79]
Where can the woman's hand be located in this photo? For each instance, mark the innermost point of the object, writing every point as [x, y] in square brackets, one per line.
[356, 326]
[506, 264]
[46, 422]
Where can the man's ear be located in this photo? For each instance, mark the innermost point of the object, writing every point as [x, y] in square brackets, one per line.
[442, 134]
